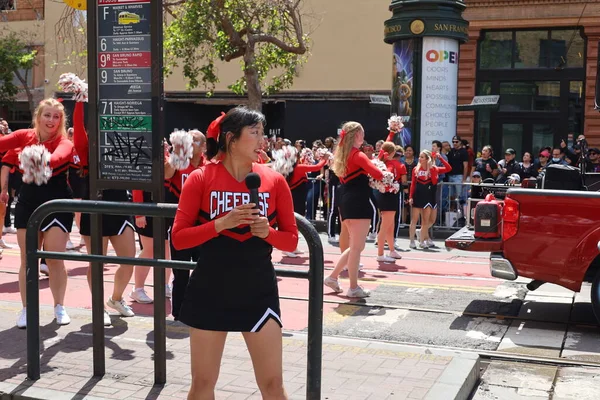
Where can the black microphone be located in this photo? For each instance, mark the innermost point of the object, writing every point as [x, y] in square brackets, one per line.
[253, 183]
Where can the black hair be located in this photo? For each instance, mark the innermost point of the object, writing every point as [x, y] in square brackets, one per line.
[437, 143]
[234, 121]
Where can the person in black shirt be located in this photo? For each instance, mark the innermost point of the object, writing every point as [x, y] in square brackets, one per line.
[458, 158]
[526, 169]
[486, 165]
[593, 162]
[508, 166]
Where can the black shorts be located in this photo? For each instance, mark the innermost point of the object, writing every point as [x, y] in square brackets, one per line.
[388, 201]
[354, 199]
[79, 184]
[425, 196]
[112, 225]
[148, 231]
[32, 196]
[15, 180]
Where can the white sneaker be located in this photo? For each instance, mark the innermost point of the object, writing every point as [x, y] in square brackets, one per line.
[70, 245]
[22, 319]
[168, 292]
[121, 307]
[44, 269]
[5, 245]
[372, 236]
[423, 245]
[386, 259]
[107, 321]
[333, 240]
[418, 234]
[358, 292]
[333, 284]
[9, 229]
[139, 295]
[360, 266]
[395, 255]
[290, 255]
[430, 243]
[412, 244]
[62, 318]
[298, 251]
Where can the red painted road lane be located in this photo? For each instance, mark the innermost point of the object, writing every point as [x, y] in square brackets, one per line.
[423, 269]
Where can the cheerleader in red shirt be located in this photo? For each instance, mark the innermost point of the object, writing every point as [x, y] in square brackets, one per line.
[387, 203]
[235, 242]
[352, 166]
[423, 194]
[49, 131]
[118, 229]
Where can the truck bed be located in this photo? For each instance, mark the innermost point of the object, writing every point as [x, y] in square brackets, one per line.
[464, 239]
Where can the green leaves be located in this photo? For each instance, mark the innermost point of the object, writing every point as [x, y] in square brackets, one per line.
[15, 55]
[266, 35]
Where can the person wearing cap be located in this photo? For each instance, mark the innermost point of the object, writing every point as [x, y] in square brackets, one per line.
[476, 190]
[507, 166]
[573, 153]
[486, 165]
[458, 158]
[593, 162]
[542, 162]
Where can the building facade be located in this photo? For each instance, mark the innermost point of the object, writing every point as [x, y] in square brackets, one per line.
[540, 56]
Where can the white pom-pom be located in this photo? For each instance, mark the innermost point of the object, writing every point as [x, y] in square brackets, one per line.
[284, 160]
[387, 184]
[183, 150]
[35, 163]
[395, 123]
[71, 83]
[307, 156]
[322, 152]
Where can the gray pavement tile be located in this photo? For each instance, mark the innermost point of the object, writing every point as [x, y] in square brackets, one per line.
[577, 384]
[582, 343]
[533, 338]
[546, 308]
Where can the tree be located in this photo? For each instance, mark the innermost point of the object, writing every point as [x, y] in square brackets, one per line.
[16, 56]
[265, 35]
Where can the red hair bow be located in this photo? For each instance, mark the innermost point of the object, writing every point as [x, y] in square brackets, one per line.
[215, 128]
[342, 134]
[382, 153]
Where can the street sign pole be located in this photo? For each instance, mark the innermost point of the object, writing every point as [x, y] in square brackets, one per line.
[126, 129]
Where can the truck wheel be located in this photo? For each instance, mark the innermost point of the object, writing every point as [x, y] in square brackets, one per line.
[596, 295]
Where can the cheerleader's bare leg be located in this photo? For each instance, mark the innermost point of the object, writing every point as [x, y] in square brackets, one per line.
[124, 245]
[266, 350]
[426, 223]
[55, 239]
[22, 277]
[414, 218]
[206, 352]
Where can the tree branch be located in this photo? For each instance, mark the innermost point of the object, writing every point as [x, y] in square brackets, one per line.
[236, 54]
[234, 37]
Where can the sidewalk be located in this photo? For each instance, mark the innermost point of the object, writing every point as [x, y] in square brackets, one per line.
[352, 369]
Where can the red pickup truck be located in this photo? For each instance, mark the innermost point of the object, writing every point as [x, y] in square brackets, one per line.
[547, 235]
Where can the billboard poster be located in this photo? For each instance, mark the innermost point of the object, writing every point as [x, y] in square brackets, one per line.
[402, 88]
[439, 90]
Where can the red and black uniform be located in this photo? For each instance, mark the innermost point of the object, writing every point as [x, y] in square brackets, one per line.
[31, 196]
[354, 190]
[234, 287]
[298, 184]
[181, 277]
[140, 196]
[390, 201]
[112, 225]
[423, 189]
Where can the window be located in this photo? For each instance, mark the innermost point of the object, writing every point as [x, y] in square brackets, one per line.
[562, 48]
[482, 137]
[27, 75]
[530, 96]
[8, 5]
[576, 108]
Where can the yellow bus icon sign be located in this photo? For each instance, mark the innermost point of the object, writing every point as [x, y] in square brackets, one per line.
[127, 18]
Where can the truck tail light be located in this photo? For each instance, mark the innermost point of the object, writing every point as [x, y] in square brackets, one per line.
[510, 220]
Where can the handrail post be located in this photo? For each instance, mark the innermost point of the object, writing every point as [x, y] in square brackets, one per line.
[315, 308]
[32, 299]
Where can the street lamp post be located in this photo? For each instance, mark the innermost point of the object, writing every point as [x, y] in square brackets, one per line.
[425, 35]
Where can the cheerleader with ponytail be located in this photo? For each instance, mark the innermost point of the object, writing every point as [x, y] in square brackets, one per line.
[387, 203]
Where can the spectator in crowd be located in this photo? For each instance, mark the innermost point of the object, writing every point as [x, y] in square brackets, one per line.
[542, 162]
[470, 154]
[378, 145]
[526, 169]
[558, 157]
[476, 190]
[446, 147]
[368, 149]
[507, 166]
[329, 143]
[458, 158]
[486, 165]
[593, 162]
[573, 154]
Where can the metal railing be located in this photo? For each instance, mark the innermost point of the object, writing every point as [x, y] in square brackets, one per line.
[314, 275]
